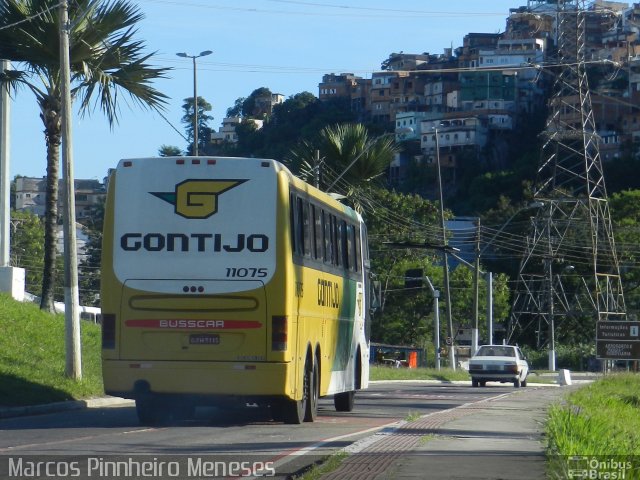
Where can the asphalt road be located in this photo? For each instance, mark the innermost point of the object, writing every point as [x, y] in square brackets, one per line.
[246, 434]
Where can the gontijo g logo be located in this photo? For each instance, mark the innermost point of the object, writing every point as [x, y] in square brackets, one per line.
[197, 198]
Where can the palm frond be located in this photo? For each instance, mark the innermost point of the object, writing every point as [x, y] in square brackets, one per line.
[106, 59]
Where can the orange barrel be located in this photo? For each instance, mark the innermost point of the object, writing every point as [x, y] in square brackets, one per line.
[413, 359]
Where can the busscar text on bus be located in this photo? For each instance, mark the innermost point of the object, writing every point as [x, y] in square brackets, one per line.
[228, 281]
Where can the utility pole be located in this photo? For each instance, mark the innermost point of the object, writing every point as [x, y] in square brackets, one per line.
[476, 286]
[490, 307]
[5, 185]
[73, 366]
[445, 259]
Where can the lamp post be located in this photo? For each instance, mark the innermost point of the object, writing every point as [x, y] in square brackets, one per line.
[195, 96]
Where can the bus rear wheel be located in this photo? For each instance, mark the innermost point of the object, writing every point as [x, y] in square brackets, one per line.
[314, 386]
[151, 411]
[344, 401]
[297, 411]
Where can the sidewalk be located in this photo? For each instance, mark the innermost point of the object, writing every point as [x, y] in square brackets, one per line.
[499, 438]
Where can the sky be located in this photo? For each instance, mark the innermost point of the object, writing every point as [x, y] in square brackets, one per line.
[284, 45]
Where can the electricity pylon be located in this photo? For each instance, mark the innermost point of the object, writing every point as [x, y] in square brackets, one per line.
[572, 230]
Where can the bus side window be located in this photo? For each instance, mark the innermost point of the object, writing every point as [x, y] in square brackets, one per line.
[353, 248]
[292, 221]
[326, 223]
[299, 226]
[342, 244]
[358, 251]
[306, 229]
[337, 259]
[334, 246]
[318, 238]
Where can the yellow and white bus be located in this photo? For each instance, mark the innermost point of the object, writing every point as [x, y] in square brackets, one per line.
[229, 280]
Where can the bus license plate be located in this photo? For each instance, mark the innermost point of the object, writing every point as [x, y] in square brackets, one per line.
[204, 339]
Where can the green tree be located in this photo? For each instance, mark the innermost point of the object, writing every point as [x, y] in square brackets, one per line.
[105, 60]
[203, 121]
[250, 107]
[625, 214]
[89, 268]
[405, 316]
[169, 151]
[236, 110]
[27, 247]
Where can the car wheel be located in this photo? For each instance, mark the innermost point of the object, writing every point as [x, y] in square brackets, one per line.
[474, 383]
[524, 382]
[517, 383]
[483, 383]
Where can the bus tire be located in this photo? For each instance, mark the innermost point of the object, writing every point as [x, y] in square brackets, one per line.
[311, 411]
[344, 401]
[150, 411]
[294, 412]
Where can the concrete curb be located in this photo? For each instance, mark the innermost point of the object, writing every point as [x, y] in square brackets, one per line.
[27, 410]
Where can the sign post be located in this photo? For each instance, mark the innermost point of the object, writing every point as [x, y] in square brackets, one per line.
[618, 340]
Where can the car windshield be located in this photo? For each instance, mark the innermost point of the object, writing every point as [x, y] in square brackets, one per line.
[490, 351]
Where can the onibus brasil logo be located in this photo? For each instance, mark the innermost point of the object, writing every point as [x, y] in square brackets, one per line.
[197, 198]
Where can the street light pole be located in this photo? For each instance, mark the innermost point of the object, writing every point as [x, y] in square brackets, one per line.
[447, 291]
[195, 96]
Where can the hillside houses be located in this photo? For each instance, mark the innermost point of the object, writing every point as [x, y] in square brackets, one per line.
[30, 194]
[494, 82]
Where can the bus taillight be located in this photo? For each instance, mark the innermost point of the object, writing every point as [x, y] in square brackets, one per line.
[108, 330]
[279, 326]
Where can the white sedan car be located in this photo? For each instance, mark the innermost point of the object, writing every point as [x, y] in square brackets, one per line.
[498, 363]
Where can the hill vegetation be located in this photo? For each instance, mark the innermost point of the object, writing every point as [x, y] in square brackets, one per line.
[32, 357]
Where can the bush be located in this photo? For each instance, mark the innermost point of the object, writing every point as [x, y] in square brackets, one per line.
[574, 357]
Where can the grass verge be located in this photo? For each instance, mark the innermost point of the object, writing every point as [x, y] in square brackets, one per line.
[598, 421]
[445, 374]
[32, 357]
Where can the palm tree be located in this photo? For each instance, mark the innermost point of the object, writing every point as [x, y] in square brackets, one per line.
[347, 150]
[105, 60]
